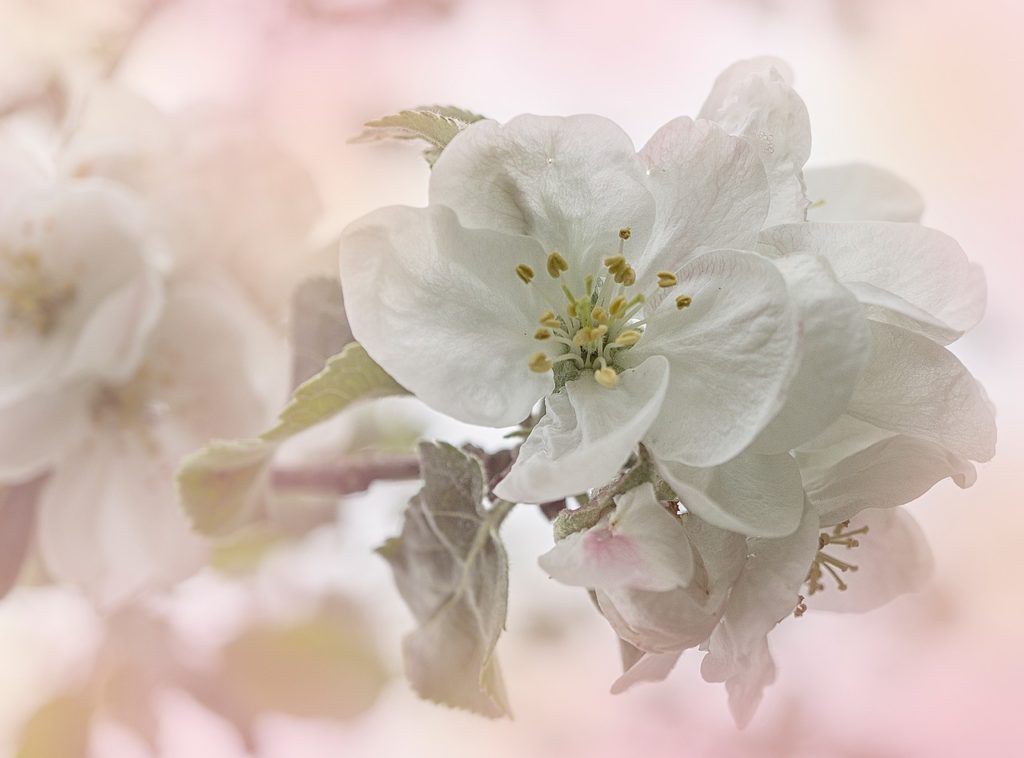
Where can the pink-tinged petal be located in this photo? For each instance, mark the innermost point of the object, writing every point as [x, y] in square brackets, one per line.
[755, 495]
[710, 191]
[732, 353]
[441, 308]
[904, 274]
[915, 387]
[639, 545]
[765, 592]
[892, 559]
[860, 192]
[17, 525]
[570, 183]
[754, 99]
[36, 431]
[834, 345]
[649, 668]
[856, 465]
[588, 432]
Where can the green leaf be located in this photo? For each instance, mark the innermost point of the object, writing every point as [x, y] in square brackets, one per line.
[452, 572]
[60, 729]
[436, 125]
[222, 486]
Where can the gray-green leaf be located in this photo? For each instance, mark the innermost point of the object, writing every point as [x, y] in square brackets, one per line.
[222, 485]
[452, 571]
[436, 125]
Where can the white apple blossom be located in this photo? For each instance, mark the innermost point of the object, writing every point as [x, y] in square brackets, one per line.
[556, 262]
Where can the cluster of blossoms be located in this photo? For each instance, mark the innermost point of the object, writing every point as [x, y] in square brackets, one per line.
[735, 368]
[134, 325]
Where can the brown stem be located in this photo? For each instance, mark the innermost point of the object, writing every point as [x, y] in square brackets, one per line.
[349, 476]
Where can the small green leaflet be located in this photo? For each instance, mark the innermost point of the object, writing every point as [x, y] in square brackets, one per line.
[222, 485]
[436, 125]
[452, 572]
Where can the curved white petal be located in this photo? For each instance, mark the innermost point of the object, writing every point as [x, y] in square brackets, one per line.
[732, 352]
[441, 308]
[639, 545]
[36, 430]
[834, 345]
[913, 386]
[649, 668]
[860, 192]
[588, 432]
[571, 183]
[755, 495]
[856, 465]
[754, 99]
[892, 559]
[905, 274]
[109, 522]
[765, 592]
[709, 189]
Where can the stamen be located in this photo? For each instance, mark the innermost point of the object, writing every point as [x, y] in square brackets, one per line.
[542, 334]
[683, 301]
[825, 563]
[628, 338]
[615, 263]
[525, 273]
[667, 279]
[589, 335]
[539, 363]
[618, 306]
[625, 233]
[606, 377]
[556, 265]
[550, 320]
[599, 315]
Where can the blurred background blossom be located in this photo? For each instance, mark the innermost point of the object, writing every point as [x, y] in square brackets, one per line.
[228, 122]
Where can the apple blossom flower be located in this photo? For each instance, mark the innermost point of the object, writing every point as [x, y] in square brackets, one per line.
[554, 262]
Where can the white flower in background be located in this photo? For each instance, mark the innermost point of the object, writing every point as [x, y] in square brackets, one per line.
[555, 262]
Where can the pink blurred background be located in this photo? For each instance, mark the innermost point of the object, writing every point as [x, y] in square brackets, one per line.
[930, 90]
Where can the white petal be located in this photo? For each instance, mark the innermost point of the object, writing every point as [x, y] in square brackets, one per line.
[650, 668]
[906, 274]
[36, 430]
[440, 308]
[110, 523]
[732, 353]
[765, 592]
[857, 465]
[571, 183]
[860, 192]
[913, 386]
[710, 192]
[892, 559]
[834, 345]
[755, 495]
[668, 622]
[639, 545]
[588, 432]
[754, 99]
[746, 687]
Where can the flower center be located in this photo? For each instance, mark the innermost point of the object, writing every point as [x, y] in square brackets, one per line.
[591, 328]
[828, 564]
[33, 298]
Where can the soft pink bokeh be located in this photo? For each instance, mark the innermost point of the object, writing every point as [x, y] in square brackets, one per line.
[930, 90]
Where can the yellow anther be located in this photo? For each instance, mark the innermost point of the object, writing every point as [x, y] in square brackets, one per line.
[625, 232]
[628, 277]
[542, 334]
[667, 279]
[618, 306]
[550, 320]
[683, 301]
[599, 315]
[525, 273]
[572, 310]
[615, 263]
[589, 335]
[539, 362]
[556, 265]
[606, 377]
[628, 338]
